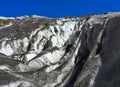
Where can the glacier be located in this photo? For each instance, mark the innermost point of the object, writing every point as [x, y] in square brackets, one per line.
[37, 51]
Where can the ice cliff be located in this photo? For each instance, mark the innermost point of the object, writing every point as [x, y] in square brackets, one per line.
[37, 51]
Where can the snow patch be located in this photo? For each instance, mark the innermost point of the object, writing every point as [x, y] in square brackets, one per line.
[4, 67]
[6, 49]
[22, 17]
[37, 16]
[10, 24]
[5, 18]
[13, 84]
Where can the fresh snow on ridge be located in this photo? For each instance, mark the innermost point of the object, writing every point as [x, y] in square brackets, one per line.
[5, 18]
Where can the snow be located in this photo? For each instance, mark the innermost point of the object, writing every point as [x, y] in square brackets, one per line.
[10, 24]
[5, 18]
[30, 56]
[59, 22]
[55, 56]
[52, 68]
[25, 41]
[6, 49]
[68, 29]
[12, 84]
[95, 20]
[4, 67]
[19, 83]
[37, 16]
[47, 59]
[91, 83]
[22, 17]
[111, 14]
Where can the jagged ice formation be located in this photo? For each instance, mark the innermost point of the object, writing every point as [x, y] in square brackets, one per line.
[62, 52]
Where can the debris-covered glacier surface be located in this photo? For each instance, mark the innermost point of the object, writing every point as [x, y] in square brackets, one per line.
[82, 51]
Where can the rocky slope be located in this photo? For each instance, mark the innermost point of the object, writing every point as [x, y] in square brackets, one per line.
[63, 52]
